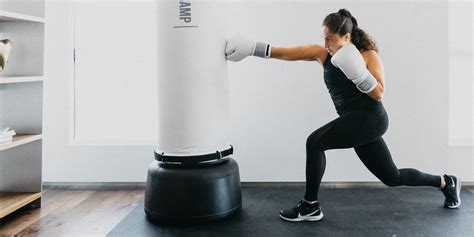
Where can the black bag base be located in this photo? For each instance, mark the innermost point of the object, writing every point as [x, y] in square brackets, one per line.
[192, 194]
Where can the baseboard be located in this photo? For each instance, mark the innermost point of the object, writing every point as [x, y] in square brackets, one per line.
[134, 185]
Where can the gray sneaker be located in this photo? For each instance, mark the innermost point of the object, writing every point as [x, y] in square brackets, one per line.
[452, 191]
[303, 212]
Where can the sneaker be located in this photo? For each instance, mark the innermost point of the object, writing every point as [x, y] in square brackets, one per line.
[303, 212]
[451, 191]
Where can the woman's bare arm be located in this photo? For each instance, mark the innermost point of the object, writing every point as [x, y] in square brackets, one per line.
[310, 52]
[375, 67]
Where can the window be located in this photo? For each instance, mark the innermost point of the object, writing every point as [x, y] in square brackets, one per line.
[461, 74]
[114, 77]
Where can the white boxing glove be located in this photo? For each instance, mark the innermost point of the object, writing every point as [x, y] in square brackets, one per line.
[238, 48]
[352, 64]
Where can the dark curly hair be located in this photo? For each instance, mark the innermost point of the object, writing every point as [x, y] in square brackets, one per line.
[342, 22]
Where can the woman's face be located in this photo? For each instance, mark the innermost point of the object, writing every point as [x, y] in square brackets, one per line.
[333, 42]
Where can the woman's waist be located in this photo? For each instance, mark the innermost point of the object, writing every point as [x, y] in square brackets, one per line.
[368, 105]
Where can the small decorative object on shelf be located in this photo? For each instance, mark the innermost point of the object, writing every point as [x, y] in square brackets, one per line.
[6, 135]
[5, 48]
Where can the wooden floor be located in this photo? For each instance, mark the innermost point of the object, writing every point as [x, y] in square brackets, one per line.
[75, 212]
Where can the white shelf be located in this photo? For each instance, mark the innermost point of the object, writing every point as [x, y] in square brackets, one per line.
[22, 105]
[7, 80]
[13, 16]
[21, 139]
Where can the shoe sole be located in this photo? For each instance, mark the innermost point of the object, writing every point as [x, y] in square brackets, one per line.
[458, 191]
[304, 218]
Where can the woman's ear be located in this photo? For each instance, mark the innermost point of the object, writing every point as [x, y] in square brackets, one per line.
[347, 37]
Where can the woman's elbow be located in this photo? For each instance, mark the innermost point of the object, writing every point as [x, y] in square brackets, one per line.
[377, 94]
[379, 97]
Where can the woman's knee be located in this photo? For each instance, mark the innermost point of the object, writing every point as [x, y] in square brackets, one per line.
[392, 181]
[313, 142]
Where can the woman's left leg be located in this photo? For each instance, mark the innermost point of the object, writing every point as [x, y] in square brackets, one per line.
[376, 157]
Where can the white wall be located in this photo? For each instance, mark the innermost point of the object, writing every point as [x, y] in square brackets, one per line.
[275, 105]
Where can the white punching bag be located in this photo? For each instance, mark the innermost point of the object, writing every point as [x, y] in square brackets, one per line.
[193, 94]
[193, 177]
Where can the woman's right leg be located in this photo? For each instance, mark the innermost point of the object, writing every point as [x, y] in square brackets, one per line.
[376, 157]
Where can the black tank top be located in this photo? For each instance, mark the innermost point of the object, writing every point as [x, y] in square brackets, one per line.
[344, 93]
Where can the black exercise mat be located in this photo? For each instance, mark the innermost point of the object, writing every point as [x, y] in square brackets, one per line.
[394, 212]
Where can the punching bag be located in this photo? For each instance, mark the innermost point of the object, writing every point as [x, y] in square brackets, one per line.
[193, 93]
[193, 177]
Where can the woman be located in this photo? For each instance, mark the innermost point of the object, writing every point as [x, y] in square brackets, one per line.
[354, 76]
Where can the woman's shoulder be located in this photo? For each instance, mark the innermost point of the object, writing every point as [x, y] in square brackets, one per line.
[323, 58]
[369, 54]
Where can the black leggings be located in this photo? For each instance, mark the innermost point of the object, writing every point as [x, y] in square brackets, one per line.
[361, 129]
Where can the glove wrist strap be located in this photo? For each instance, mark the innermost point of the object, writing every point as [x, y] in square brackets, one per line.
[262, 50]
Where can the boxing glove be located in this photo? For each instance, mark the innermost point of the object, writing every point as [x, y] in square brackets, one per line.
[352, 64]
[238, 48]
